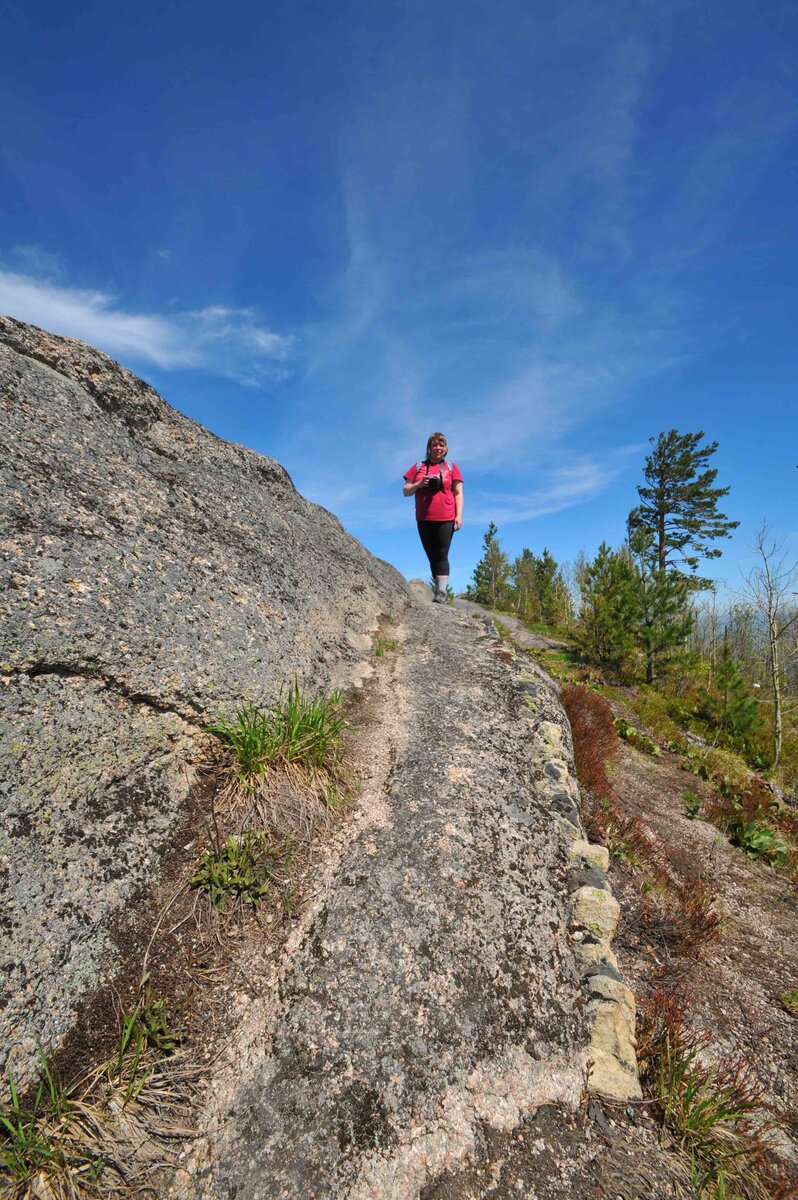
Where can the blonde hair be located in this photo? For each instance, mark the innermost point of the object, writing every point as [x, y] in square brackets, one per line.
[433, 437]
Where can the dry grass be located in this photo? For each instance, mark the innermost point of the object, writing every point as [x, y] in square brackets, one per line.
[109, 1134]
[714, 1109]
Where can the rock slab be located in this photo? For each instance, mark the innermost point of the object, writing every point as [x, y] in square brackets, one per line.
[152, 576]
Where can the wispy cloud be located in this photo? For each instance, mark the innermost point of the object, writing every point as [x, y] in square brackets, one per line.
[574, 482]
[218, 339]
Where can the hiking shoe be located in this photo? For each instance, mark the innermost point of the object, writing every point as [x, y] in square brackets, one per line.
[439, 598]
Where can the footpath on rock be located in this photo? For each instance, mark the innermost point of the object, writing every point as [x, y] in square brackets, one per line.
[427, 1033]
[430, 1012]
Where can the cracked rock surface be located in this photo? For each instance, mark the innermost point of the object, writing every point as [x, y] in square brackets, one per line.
[151, 576]
[430, 1001]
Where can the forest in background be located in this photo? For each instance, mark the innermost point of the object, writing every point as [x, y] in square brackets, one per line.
[642, 614]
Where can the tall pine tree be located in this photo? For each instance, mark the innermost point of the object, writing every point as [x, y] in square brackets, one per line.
[679, 504]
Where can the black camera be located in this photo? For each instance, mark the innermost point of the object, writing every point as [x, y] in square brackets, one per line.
[434, 483]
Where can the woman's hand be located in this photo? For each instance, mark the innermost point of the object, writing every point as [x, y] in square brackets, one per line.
[410, 489]
[458, 524]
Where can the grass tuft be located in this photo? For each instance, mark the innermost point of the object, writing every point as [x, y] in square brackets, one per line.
[789, 1001]
[301, 730]
[382, 644]
[41, 1144]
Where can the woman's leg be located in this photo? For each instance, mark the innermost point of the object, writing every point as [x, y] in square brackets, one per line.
[436, 538]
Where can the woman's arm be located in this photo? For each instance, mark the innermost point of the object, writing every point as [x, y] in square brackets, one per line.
[457, 488]
[410, 489]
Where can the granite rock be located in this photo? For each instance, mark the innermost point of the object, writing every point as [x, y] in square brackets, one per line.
[153, 576]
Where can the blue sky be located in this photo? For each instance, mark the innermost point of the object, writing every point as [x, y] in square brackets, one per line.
[324, 230]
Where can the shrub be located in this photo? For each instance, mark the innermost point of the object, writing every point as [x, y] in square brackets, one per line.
[753, 821]
[682, 913]
[594, 735]
[691, 805]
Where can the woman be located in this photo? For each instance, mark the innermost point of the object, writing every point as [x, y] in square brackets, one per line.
[438, 488]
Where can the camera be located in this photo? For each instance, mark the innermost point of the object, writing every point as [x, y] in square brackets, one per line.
[434, 483]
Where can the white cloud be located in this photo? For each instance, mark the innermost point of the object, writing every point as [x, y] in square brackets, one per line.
[572, 483]
[223, 341]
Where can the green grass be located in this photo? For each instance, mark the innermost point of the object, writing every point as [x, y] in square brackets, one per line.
[44, 1141]
[789, 1001]
[381, 644]
[298, 729]
[241, 870]
[542, 627]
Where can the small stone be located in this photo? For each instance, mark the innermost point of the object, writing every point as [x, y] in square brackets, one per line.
[595, 910]
[592, 853]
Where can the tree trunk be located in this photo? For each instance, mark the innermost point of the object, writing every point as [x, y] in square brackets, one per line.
[773, 645]
[661, 547]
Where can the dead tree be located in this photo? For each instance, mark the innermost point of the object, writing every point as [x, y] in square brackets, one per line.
[769, 587]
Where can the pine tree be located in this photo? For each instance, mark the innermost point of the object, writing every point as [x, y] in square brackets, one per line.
[604, 634]
[658, 610]
[524, 584]
[678, 506]
[539, 590]
[554, 600]
[491, 576]
[732, 707]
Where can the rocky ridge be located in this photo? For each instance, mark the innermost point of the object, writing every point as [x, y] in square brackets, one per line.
[152, 577]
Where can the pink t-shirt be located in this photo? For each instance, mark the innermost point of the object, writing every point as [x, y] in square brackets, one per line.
[437, 506]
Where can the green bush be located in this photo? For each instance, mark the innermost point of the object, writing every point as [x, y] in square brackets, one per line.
[759, 841]
[691, 805]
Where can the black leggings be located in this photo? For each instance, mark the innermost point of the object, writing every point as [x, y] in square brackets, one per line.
[436, 538]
